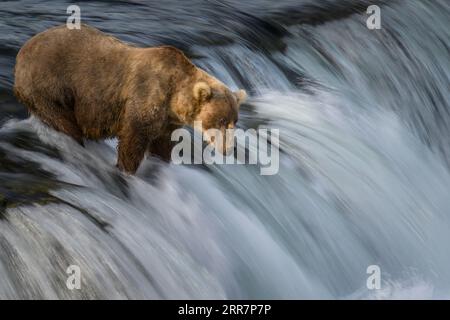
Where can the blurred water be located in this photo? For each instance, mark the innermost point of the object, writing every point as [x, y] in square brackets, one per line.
[364, 171]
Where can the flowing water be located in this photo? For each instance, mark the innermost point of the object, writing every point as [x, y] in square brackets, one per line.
[364, 164]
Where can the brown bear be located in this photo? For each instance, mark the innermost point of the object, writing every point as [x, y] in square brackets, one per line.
[88, 84]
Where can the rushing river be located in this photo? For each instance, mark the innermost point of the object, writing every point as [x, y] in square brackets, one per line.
[364, 173]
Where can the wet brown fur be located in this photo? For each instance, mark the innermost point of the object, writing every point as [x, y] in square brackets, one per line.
[88, 84]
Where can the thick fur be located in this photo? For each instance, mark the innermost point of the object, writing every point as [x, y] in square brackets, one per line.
[88, 84]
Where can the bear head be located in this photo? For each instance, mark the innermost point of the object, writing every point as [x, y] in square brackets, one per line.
[217, 114]
[210, 106]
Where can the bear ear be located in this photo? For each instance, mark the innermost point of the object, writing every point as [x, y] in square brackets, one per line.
[201, 91]
[241, 96]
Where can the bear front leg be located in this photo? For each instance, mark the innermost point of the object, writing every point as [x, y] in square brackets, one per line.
[143, 121]
[131, 150]
[162, 146]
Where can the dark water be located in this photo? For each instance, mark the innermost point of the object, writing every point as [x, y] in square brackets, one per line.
[364, 170]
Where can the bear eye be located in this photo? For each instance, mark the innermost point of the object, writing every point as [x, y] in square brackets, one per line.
[222, 122]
